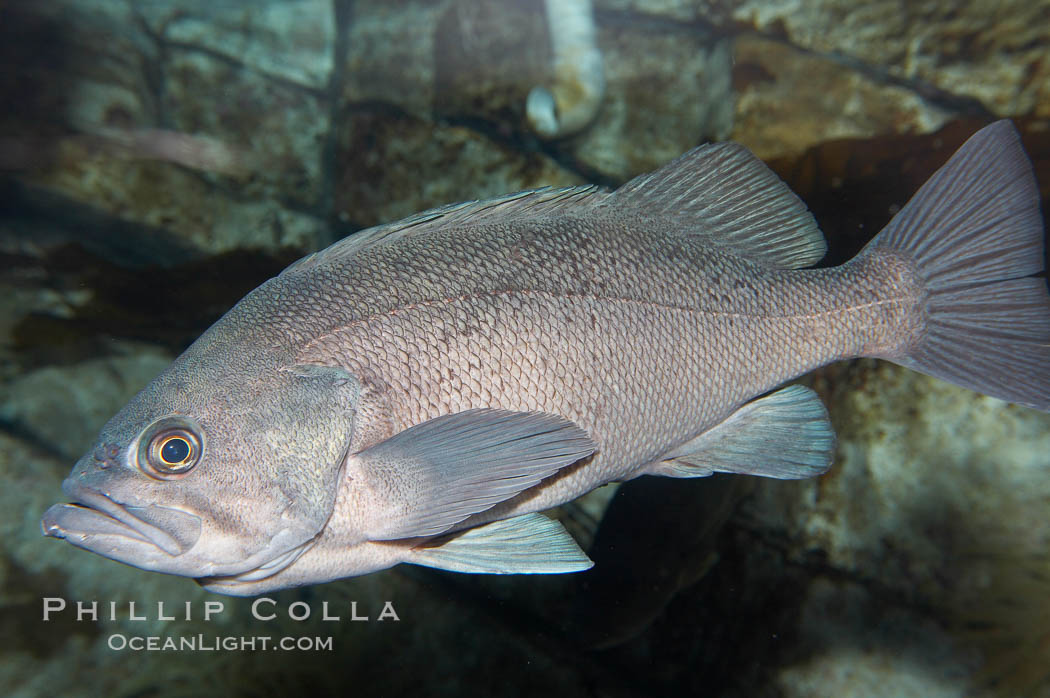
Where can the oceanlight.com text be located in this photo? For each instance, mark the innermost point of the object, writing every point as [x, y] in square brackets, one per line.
[217, 643]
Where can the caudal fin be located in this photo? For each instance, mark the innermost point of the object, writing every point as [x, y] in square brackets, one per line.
[976, 235]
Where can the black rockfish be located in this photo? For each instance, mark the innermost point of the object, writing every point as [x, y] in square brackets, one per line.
[419, 391]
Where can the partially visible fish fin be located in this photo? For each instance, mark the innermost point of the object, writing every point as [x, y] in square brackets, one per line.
[427, 478]
[528, 544]
[785, 435]
[528, 204]
[726, 195]
[975, 235]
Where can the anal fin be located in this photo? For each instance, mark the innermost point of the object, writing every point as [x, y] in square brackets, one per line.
[785, 435]
[527, 544]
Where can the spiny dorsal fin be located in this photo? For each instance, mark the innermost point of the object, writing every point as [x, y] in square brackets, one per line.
[532, 203]
[727, 195]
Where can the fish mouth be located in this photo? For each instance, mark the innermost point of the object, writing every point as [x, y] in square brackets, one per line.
[96, 522]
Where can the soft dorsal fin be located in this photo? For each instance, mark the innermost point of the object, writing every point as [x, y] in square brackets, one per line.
[532, 203]
[727, 195]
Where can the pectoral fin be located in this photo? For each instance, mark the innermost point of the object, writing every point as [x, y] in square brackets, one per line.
[431, 476]
[528, 544]
[785, 435]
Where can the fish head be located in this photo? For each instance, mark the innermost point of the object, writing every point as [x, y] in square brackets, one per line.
[218, 467]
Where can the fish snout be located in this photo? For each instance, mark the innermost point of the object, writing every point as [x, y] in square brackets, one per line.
[96, 521]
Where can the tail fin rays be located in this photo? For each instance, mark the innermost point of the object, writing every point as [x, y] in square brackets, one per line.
[975, 233]
[981, 208]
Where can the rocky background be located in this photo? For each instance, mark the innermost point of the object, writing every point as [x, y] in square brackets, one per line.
[159, 159]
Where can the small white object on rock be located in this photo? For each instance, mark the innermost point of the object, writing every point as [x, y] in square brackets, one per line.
[576, 93]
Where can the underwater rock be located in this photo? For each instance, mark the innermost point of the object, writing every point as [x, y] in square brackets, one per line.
[75, 305]
[276, 131]
[667, 88]
[21, 286]
[289, 40]
[488, 55]
[853, 643]
[62, 407]
[161, 196]
[157, 131]
[712, 13]
[789, 100]
[808, 72]
[919, 463]
[393, 164]
[991, 52]
[391, 54]
[645, 553]
[936, 502]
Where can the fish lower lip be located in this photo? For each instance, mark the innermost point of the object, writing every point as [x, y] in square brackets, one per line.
[66, 520]
[95, 514]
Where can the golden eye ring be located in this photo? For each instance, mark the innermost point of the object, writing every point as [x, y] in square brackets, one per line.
[170, 447]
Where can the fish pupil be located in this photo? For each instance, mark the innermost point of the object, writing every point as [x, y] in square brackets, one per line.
[175, 450]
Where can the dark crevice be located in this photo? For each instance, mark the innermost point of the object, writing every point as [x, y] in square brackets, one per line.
[816, 565]
[343, 11]
[543, 635]
[36, 211]
[152, 68]
[32, 440]
[962, 105]
[169, 306]
[526, 143]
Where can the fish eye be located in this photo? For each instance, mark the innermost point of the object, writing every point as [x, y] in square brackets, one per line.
[170, 447]
[174, 450]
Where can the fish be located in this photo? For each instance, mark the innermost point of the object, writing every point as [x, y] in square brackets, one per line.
[420, 392]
